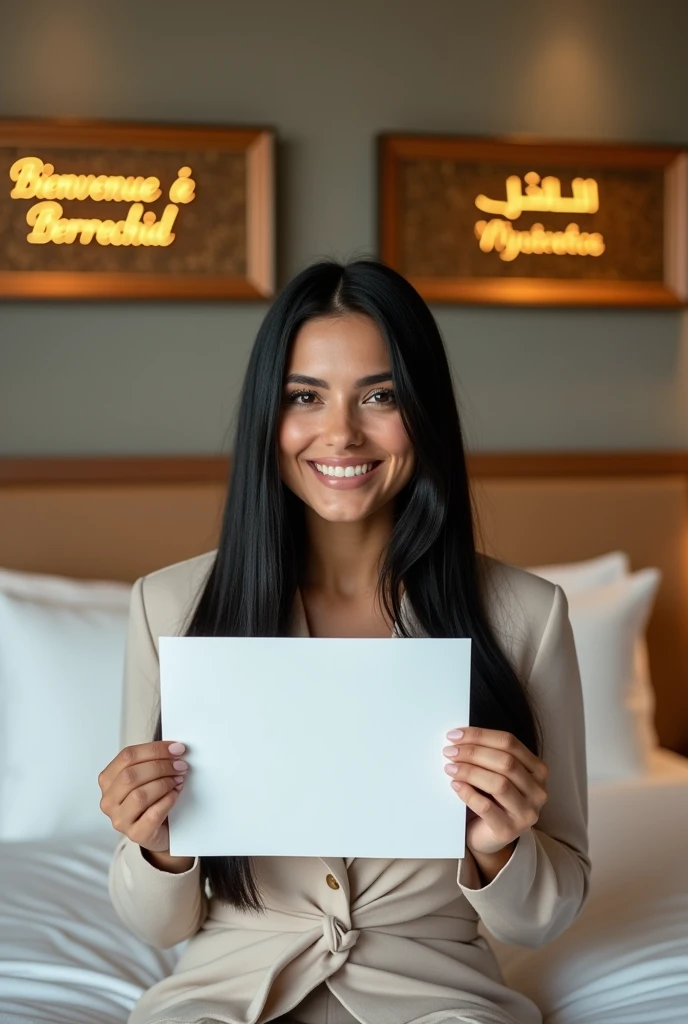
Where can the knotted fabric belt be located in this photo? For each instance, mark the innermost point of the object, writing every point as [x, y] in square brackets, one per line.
[337, 937]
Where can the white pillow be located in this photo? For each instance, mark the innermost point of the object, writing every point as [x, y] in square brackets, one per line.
[61, 669]
[64, 589]
[607, 622]
[577, 577]
[574, 577]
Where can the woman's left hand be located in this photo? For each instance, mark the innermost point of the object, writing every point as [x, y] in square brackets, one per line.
[500, 765]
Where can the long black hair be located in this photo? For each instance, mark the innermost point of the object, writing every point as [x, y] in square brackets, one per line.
[261, 554]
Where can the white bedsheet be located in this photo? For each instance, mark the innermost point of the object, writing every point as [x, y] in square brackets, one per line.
[65, 957]
[625, 959]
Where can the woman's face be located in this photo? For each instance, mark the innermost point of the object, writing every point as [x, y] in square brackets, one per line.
[333, 420]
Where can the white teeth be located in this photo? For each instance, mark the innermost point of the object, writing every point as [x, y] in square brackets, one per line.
[340, 471]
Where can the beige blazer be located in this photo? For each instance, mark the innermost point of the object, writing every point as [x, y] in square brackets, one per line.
[395, 941]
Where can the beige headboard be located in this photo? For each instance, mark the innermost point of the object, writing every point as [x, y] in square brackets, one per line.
[121, 518]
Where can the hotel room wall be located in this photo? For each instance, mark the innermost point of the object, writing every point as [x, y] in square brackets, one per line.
[159, 377]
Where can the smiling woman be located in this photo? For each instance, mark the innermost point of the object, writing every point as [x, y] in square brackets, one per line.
[344, 433]
[349, 514]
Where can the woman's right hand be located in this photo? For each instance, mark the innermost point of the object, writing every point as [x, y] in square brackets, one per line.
[139, 787]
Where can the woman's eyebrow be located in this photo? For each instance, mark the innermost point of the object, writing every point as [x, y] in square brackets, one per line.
[318, 382]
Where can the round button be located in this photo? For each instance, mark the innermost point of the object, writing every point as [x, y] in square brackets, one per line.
[332, 882]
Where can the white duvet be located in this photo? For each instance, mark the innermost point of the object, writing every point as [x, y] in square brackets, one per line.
[65, 958]
[625, 959]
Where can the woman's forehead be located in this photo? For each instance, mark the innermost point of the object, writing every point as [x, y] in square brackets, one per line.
[339, 341]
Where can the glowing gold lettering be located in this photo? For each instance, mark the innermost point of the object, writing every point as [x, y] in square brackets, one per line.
[24, 172]
[97, 189]
[34, 179]
[131, 234]
[41, 217]
[59, 231]
[500, 236]
[131, 189]
[182, 191]
[48, 224]
[49, 189]
[150, 190]
[542, 195]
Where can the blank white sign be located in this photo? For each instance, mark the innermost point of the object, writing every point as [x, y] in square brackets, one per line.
[315, 746]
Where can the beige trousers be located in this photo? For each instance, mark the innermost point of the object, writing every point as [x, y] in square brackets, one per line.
[319, 1007]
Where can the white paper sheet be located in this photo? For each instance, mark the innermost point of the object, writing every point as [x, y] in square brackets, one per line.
[315, 746]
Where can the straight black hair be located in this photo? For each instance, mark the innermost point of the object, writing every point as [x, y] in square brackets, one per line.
[261, 553]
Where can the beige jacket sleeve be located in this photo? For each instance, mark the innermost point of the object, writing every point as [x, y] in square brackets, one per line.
[543, 886]
[160, 907]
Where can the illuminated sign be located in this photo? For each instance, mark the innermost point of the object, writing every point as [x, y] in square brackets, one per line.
[546, 205]
[102, 210]
[542, 197]
[499, 235]
[35, 179]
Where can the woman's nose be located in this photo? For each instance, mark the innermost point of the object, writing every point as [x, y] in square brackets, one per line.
[341, 423]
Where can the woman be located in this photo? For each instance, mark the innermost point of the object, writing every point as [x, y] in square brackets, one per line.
[349, 368]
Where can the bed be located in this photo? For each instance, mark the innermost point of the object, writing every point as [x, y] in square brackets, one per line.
[65, 958]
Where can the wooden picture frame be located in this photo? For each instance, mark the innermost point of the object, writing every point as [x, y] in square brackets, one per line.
[224, 224]
[423, 212]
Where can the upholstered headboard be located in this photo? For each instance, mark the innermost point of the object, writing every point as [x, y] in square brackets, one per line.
[121, 518]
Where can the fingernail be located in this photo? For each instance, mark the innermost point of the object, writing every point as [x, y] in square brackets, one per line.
[455, 734]
[176, 748]
[450, 751]
[180, 766]
[179, 778]
[451, 769]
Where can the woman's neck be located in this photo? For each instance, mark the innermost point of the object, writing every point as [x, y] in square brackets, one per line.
[344, 558]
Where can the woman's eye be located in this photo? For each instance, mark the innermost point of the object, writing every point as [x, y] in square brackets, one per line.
[292, 398]
[384, 391]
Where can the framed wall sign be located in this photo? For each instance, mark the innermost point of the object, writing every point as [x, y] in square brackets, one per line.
[527, 222]
[114, 210]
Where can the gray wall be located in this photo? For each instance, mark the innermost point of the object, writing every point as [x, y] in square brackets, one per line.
[160, 377]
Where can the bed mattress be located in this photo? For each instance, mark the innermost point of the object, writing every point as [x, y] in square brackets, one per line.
[65, 958]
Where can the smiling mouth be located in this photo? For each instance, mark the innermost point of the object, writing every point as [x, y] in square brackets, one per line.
[373, 464]
[343, 482]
